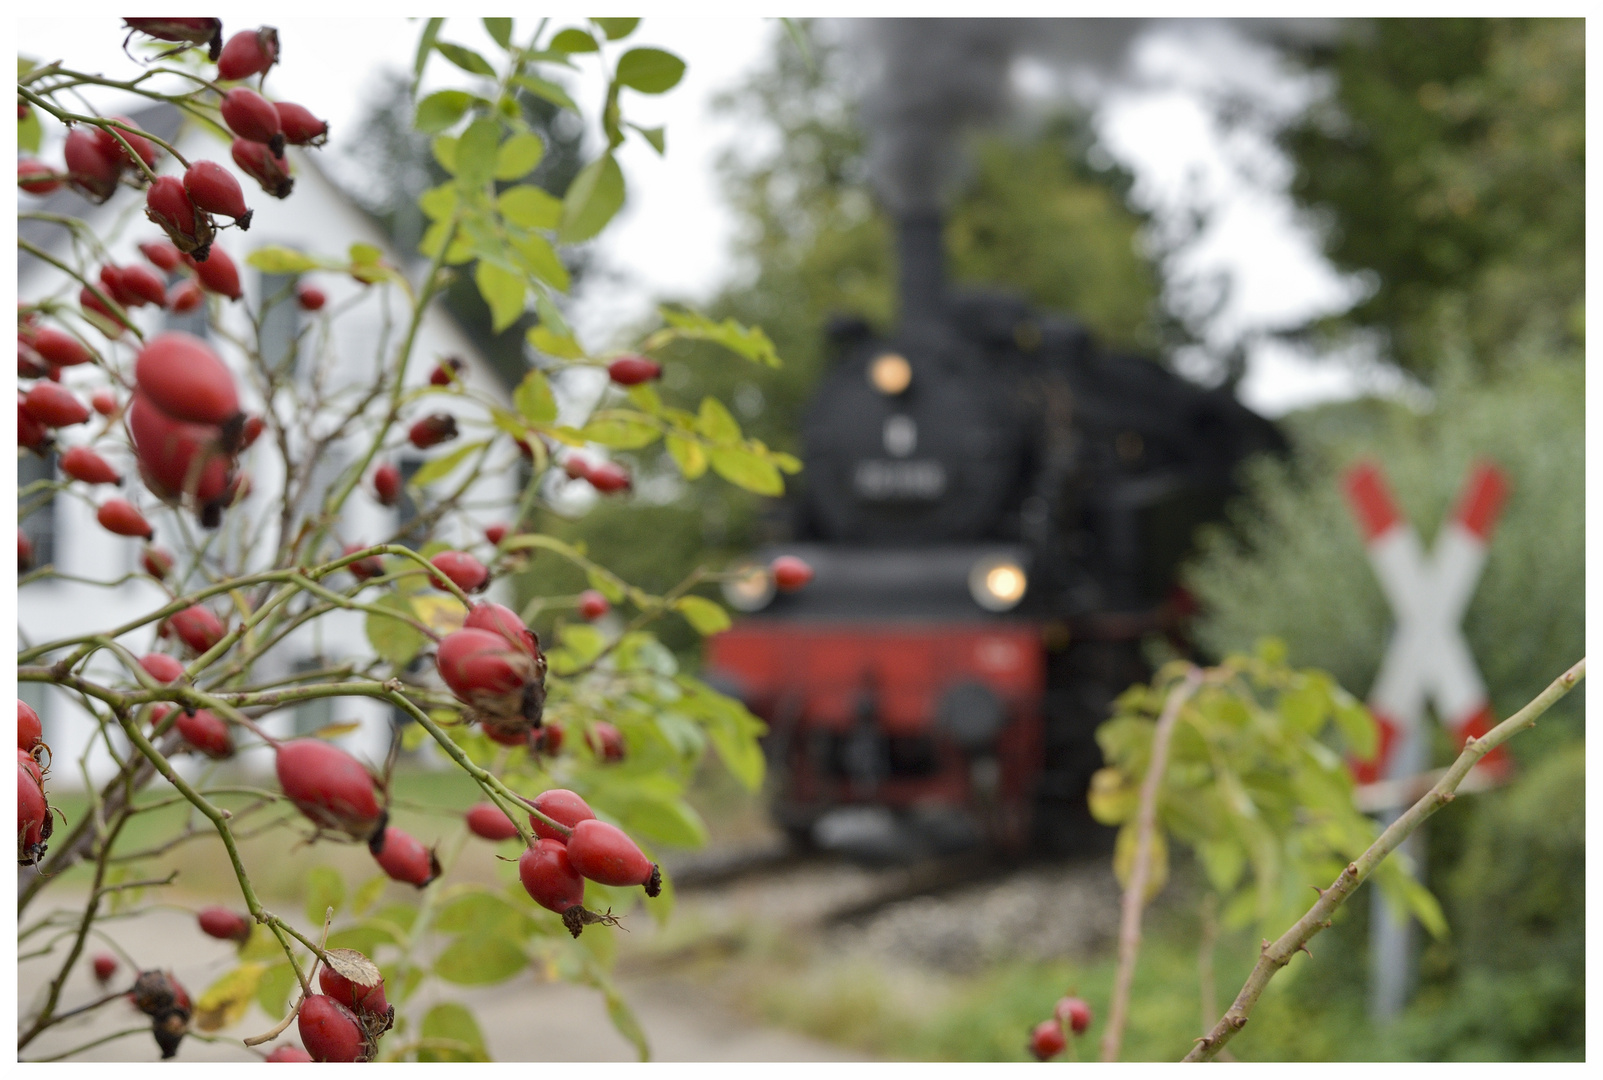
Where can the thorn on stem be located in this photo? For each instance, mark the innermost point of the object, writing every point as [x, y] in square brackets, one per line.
[1304, 948]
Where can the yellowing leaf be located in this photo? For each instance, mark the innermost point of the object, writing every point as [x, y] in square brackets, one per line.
[715, 422]
[439, 468]
[688, 455]
[620, 429]
[748, 470]
[275, 259]
[225, 1001]
[1124, 851]
[1113, 797]
[553, 343]
[440, 612]
[707, 617]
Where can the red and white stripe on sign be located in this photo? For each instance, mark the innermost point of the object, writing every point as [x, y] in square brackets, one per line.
[1428, 658]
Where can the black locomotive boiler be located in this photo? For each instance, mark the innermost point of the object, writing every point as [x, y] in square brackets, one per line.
[995, 507]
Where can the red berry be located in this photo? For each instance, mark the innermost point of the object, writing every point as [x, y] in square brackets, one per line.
[247, 53]
[198, 628]
[499, 619]
[91, 171]
[104, 402]
[218, 274]
[329, 786]
[54, 406]
[213, 189]
[632, 370]
[370, 567]
[490, 821]
[175, 457]
[60, 348]
[251, 116]
[143, 287]
[495, 533]
[608, 477]
[289, 1052]
[510, 735]
[120, 516]
[33, 817]
[592, 605]
[562, 806]
[330, 1031]
[182, 377]
[167, 204]
[186, 298]
[433, 430]
[359, 999]
[105, 967]
[30, 732]
[161, 667]
[490, 673]
[48, 179]
[604, 853]
[161, 254]
[158, 562]
[576, 467]
[104, 319]
[1075, 1011]
[605, 741]
[259, 163]
[111, 284]
[466, 572]
[30, 432]
[301, 128]
[548, 740]
[310, 298]
[206, 732]
[387, 484]
[24, 551]
[254, 426]
[549, 877]
[188, 31]
[82, 463]
[113, 148]
[446, 372]
[1046, 1041]
[219, 922]
[790, 573]
[404, 858]
[30, 365]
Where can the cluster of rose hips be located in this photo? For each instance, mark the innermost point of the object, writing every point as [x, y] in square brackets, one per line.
[33, 809]
[571, 845]
[1070, 1017]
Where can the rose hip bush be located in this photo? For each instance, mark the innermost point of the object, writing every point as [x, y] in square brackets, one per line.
[581, 746]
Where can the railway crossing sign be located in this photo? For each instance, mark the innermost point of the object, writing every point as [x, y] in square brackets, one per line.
[1428, 658]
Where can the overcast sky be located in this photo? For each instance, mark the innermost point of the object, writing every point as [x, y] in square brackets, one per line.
[674, 235]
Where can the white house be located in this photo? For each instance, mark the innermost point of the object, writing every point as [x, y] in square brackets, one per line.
[321, 220]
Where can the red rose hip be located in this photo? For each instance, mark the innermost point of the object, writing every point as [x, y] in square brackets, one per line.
[633, 370]
[310, 298]
[219, 922]
[387, 484]
[105, 966]
[90, 170]
[47, 179]
[329, 786]
[289, 1052]
[301, 128]
[161, 667]
[432, 430]
[167, 204]
[30, 732]
[1075, 1012]
[186, 297]
[606, 741]
[183, 378]
[790, 573]
[404, 858]
[120, 516]
[157, 562]
[604, 853]
[206, 732]
[368, 1000]
[213, 189]
[466, 572]
[1046, 1041]
[59, 347]
[549, 878]
[161, 254]
[82, 463]
[489, 821]
[247, 53]
[562, 806]
[218, 274]
[251, 116]
[53, 406]
[500, 619]
[330, 1031]
[592, 605]
[608, 477]
[260, 164]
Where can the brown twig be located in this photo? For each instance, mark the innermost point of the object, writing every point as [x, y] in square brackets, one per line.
[1135, 891]
[1277, 955]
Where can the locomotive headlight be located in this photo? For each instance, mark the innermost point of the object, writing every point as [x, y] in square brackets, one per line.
[890, 373]
[750, 588]
[997, 584]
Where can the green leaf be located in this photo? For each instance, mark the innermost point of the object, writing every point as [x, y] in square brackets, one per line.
[478, 910]
[1224, 862]
[476, 151]
[441, 109]
[657, 137]
[715, 422]
[534, 400]
[425, 45]
[438, 203]
[369, 891]
[646, 398]
[275, 259]
[480, 960]
[449, 1020]
[560, 345]
[272, 989]
[550, 91]
[30, 133]
[365, 255]
[466, 59]
[688, 455]
[617, 29]
[750, 343]
[584, 642]
[573, 40]
[706, 616]
[605, 584]
[538, 257]
[1357, 726]
[650, 71]
[620, 429]
[439, 468]
[732, 729]
[364, 937]
[503, 291]
[444, 149]
[393, 640]
[518, 156]
[1304, 708]
[500, 31]
[747, 470]
[530, 207]
[623, 1018]
[595, 195]
[324, 889]
[665, 820]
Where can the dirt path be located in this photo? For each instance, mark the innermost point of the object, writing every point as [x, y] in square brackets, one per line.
[523, 1020]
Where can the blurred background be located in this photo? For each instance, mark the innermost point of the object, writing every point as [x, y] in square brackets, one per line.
[1249, 253]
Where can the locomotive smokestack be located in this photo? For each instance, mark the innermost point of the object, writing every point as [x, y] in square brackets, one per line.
[921, 266]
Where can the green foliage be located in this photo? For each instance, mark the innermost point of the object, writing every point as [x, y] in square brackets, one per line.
[1449, 164]
[1255, 784]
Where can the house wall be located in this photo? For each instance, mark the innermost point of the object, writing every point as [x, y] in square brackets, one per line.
[318, 219]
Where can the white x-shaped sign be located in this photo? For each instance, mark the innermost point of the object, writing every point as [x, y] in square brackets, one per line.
[1428, 658]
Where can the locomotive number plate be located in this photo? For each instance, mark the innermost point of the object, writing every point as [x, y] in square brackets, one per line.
[888, 481]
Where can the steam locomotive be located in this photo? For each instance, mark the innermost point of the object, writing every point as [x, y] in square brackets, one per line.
[995, 507]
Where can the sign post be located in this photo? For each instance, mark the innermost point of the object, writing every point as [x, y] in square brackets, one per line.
[1426, 660]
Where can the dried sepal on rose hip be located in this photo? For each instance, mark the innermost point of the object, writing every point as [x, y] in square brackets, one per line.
[263, 166]
[168, 205]
[499, 678]
[188, 32]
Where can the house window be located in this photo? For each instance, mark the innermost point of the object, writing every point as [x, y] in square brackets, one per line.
[281, 322]
[39, 526]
